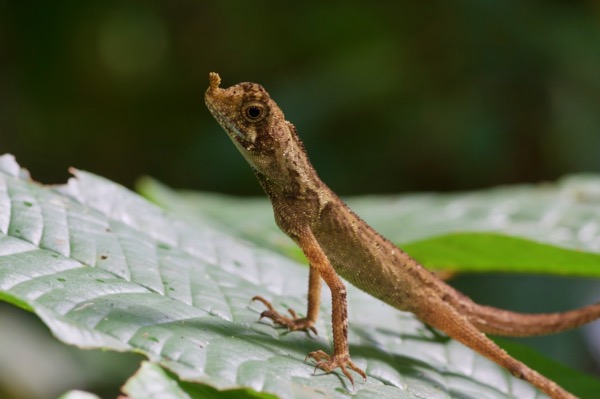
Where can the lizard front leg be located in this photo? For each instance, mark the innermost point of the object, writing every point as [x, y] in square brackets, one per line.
[339, 316]
[312, 313]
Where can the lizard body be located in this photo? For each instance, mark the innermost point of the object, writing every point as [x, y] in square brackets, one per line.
[337, 243]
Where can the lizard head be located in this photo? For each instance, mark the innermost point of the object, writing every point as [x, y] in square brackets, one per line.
[252, 120]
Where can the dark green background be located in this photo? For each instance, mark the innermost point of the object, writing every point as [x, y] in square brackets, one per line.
[388, 96]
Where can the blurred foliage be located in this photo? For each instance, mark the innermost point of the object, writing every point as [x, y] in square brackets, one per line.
[35, 365]
[388, 96]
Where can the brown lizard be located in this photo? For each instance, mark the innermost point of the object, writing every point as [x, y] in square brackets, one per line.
[337, 243]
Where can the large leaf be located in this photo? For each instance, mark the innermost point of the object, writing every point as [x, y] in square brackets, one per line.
[547, 228]
[103, 268]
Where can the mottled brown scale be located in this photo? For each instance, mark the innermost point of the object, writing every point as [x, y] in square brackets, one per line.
[337, 242]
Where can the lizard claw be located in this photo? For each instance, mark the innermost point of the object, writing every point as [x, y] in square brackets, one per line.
[329, 363]
[293, 324]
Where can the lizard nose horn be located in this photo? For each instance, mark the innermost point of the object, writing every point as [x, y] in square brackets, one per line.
[214, 81]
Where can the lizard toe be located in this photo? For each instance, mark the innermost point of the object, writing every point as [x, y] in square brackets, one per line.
[328, 363]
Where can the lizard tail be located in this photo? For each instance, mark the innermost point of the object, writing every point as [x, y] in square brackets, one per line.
[491, 320]
[504, 322]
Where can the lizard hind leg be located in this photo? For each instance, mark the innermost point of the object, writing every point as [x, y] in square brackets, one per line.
[444, 317]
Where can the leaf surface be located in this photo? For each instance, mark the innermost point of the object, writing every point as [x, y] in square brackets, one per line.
[103, 268]
[545, 228]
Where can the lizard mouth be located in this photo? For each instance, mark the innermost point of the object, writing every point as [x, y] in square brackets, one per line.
[225, 122]
[216, 102]
[231, 129]
[211, 100]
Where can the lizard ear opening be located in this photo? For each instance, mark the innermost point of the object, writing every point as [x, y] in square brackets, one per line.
[254, 111]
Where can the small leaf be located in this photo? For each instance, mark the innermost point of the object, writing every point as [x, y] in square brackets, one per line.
[78, 395]
[152, 381]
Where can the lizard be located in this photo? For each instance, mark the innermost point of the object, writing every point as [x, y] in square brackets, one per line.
[338, 244]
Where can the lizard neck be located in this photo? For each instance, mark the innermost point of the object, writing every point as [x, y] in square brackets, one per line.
[290, 174]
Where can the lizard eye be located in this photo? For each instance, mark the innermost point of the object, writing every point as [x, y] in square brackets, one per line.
[254, 111]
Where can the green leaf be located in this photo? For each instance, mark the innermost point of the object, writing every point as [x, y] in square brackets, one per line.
[152, 381]
[485, 252]
[103, 268]
[546, 228]
[78, 395]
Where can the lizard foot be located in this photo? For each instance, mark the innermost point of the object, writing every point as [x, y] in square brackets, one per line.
[329, 363]
[293, 323]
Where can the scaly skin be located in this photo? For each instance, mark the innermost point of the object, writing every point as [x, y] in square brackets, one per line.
[337, 242]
